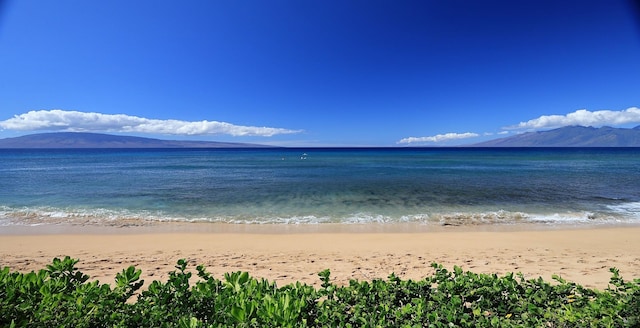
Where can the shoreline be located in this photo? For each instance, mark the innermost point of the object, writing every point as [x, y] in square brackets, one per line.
[581, 254]
[153, 227]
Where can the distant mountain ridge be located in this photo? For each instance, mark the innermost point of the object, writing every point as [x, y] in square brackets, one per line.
[571, 136]
[99, 140]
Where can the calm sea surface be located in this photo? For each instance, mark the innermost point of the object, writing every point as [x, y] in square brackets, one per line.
[459, 186]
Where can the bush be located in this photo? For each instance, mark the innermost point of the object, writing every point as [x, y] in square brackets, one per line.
[61, 296]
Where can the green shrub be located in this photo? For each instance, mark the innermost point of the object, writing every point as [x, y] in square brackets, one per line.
[61, 296]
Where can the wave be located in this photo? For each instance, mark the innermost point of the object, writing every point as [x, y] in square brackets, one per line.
[631, 209]
[51, 215]
[622, 213]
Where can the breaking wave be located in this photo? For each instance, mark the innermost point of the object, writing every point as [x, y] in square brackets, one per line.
[623, 213]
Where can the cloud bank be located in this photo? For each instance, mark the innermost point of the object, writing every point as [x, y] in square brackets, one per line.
[581, 117]
[74, 121]
[438, 138]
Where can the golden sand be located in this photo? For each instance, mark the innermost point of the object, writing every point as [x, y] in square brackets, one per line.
[580, 255]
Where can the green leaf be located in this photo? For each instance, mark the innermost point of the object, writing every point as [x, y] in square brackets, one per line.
[238, 313]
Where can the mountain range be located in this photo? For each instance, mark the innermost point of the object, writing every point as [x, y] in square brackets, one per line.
[571, 136]
[98, 140]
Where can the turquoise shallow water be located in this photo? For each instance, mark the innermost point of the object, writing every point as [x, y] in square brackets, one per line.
[457, 186]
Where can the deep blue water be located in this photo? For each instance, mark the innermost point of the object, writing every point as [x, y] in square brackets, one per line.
[425, 185]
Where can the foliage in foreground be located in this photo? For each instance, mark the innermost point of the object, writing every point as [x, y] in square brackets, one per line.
[61, 296]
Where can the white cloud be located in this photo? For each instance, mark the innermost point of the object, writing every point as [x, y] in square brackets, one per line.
[74, 121]
[439, 138]
[581, 117]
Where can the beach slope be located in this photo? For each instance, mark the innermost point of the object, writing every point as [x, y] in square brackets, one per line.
[580, 255]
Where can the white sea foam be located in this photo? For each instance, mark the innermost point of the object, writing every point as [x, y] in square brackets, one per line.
[630, 209]
[567, 217]
[478, 218]
[101, 216]
[50, 215]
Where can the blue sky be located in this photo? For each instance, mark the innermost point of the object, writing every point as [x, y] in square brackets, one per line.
[318, 73]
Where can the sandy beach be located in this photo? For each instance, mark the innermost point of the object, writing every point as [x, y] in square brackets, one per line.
[582, 255]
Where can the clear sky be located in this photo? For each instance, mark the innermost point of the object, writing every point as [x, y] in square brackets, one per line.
[318, 72]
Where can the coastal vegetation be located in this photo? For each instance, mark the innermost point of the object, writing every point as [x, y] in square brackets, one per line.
[62, 296]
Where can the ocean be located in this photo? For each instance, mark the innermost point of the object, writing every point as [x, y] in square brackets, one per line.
[430, 186]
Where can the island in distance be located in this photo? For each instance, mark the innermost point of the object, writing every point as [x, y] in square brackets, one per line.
[570, 136]
[97, 140]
